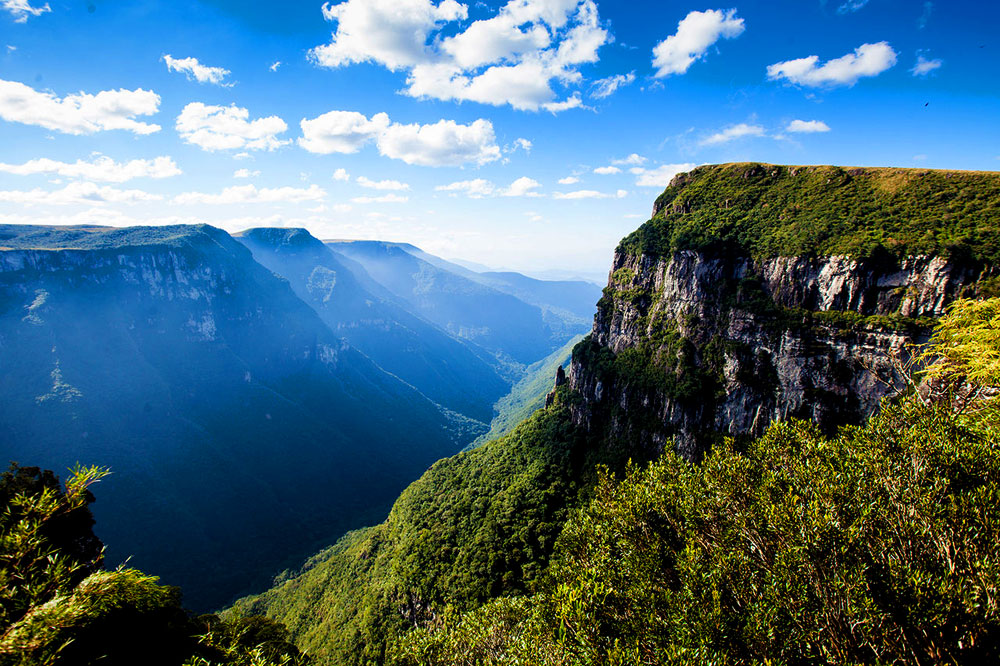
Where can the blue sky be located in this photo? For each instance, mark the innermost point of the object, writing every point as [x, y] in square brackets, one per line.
[531, 134]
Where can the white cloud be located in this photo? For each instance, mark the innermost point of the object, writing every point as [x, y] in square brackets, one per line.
[867, 60]
[851, 6]
[194, 69]
[79, 113]
[241, 194]
[590, 194]
[565, 105]
[245, 173]
[275, 65]
[522, 187]
[77, 193]
[511, 58]
[340, 131]
[394, 185]
[696, 32]
[393, 33]
[341, 174]
[569, 180]
[606, 87]
[444, 143]
[807, 126]
[228, 128]
[661, 175]
[22, 9]
[634, 158]
[925, 66]
[732, 133]
[523, 144]
[101, 168]
[480, 188]
[607, 170]
[387, 198]
[474, 189]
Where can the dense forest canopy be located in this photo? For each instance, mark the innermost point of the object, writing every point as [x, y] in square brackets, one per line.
[770, 211]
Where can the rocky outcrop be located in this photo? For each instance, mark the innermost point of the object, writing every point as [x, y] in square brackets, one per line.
[560, 380]
[689, 346]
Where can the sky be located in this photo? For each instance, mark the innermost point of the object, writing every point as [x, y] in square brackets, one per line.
[531, 134]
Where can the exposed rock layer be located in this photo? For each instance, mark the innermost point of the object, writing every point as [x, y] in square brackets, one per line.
[814, 338]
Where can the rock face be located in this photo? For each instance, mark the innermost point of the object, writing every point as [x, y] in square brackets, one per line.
[690, 343]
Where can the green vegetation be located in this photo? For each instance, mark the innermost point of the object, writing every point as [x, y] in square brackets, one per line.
[477, 526]
[58, 608]
[528, 395]
[767, 211]
[879, 545]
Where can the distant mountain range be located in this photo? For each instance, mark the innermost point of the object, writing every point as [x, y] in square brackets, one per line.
[254, 396]
[510, 315]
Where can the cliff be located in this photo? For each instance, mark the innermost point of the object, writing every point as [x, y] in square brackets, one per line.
[758, 292]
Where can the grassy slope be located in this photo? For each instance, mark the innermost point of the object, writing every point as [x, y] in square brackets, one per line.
[770, 210]
[527, 395]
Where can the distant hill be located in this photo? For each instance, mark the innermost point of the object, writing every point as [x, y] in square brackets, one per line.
[242, 431]
[440, 366]
[483, 310]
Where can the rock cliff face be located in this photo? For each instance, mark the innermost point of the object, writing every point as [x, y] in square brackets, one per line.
[690, 343]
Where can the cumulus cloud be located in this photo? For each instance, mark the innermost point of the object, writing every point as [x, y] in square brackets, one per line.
[22, 9]
[590, 194]
[807, 126]
[696, 32]
[607, 170]
[100, 168]
[275, 65]
[474, 189]
[569, 180]
[228, 128]
[511, 58]
[732, 133]
[522, 187]
[393, 33]
[660, 176]
[444, 143]
[867, 60]
[606, 87]
[79, 113]
[241, 194]
[195, 70]
[634, 159]
[565, 105]
[245, 173]
[77, 193]
[341, 174]
[480, 188]
[925, 66]
[387, 198]
[341, 131]
[394, 185]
